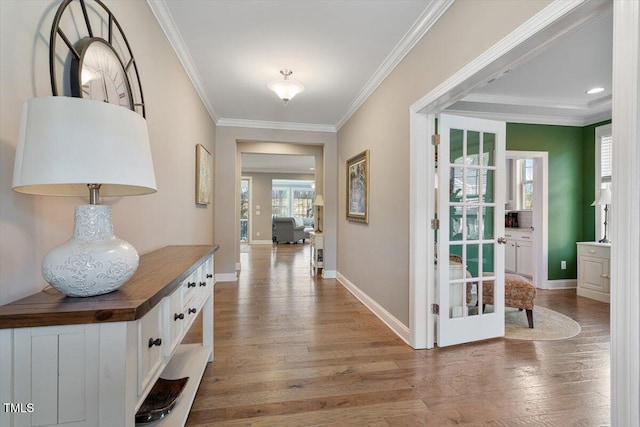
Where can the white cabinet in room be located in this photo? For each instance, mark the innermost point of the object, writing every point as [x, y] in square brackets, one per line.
[594, 279]
[93, 361]
[519, 252]
[316, 246]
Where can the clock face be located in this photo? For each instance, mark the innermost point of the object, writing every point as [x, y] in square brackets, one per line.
[100, 75]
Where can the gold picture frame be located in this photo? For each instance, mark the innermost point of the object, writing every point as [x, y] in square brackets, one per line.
[203, 175]
[358, 188]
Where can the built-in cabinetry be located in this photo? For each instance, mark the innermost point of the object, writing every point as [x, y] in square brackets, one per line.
[519, 251]
[593, 270]
[316, 245]
[92, 361]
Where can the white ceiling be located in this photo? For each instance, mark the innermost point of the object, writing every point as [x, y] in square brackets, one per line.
[551, 88]
[342, 50]
[339, 50]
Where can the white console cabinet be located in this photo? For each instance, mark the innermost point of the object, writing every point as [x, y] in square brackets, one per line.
[519, 252]
[316, 246]
[92, 361]
[593, 270]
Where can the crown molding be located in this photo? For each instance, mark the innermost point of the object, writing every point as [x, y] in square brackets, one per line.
[168, 25]
[426, 20]
[260, 124]
[556, 103]
[597, 118]
[525, 118]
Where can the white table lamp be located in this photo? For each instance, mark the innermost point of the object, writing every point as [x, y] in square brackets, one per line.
[319, 202]
[77, 147]
[604, 198]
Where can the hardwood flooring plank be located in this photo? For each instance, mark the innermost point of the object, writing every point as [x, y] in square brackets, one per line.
[292, 349]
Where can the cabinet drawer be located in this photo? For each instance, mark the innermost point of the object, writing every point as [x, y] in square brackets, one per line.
[150, 333]
[189, 287]
[594, 251]
[515, 234]
[205, 283]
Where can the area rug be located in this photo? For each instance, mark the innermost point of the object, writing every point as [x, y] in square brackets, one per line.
[548, 325]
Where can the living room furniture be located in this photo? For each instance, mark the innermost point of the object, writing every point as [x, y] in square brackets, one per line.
[594, 278]
[92, 361]
[316, 248]
[288, 229]
[519, 292]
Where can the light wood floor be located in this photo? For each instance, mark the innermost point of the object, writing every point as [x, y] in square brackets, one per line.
[292, 350]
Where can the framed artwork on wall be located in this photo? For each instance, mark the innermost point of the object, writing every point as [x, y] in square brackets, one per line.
[203, 175]
[358, 188]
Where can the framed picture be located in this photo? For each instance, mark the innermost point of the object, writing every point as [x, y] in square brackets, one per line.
[358, 188]
[203, 175]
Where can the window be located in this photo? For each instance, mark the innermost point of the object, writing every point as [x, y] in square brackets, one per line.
[280, 201]
[604, 171]
[293, 198]
[526, 182]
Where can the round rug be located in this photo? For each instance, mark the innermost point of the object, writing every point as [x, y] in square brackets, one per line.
[547, 325]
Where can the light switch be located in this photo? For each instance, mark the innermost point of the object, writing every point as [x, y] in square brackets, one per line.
[257, 212]
[257, 207]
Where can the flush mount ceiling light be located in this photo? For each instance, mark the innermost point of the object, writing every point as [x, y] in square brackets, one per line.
[595, 90]
[286, 89]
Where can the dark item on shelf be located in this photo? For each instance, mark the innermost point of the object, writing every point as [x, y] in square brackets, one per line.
[161, 400]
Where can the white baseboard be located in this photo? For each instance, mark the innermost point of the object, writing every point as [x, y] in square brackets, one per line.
[560, 284]
[394, 324]
[262, 242]
[226, 277]
[329, 274]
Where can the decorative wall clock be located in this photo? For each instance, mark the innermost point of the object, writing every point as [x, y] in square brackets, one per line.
[102, 66]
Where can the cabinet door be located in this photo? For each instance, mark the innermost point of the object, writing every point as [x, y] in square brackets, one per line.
[56, 370]
[510, 256]
[524, 258]
[174, 321]
[150, 342]
[594, 273]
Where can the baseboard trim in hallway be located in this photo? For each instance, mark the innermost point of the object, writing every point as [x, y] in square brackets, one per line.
[226, 277]
[329, 274]
[387, 318]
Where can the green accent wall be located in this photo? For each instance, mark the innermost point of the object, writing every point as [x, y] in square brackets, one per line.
[571, 186]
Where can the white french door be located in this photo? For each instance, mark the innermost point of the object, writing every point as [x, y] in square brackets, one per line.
[470, 274]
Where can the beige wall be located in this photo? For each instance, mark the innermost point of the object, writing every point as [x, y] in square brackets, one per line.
[230, 143]
[177, 120]
[375, 257]
[261, 196]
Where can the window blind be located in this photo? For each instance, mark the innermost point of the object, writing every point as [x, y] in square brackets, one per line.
[605, 158]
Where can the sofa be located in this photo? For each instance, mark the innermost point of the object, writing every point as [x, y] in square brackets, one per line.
[288, 229]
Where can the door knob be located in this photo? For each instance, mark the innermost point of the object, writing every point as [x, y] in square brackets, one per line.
[502, 240]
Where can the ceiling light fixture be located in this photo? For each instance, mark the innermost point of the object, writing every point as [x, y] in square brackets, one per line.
[595, 90]
[286, 89]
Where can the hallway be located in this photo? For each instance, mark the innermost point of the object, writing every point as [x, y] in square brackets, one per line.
[294, 350]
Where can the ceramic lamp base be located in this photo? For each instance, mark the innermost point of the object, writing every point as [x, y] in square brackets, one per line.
[94, 261]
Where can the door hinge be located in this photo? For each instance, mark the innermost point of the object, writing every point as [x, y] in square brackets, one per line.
[435, 139]
[435, 224]
[435, 309]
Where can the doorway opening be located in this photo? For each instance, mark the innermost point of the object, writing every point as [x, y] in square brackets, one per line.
[245, 211]
[527, 197]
